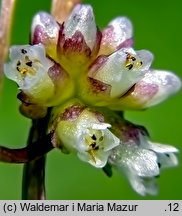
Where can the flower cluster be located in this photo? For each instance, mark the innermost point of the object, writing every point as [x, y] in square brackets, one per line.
[85, 76]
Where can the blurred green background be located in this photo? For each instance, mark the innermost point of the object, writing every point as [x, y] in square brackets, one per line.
[157, 27]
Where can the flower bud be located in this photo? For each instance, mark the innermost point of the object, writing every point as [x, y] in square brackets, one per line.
[117, 35]
[45, 30]
[155, 87]
[81, 20]
[79, 39]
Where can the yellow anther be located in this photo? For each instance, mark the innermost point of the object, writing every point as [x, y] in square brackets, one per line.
[24, 71]
[132, 62]
[139, 63]
[129, 65]
[130, 59]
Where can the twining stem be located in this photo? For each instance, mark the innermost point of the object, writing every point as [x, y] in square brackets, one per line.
[28, 153]
[6, 18]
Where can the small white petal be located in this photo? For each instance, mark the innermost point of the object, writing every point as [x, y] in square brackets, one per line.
[140, 161]
[122, 69]
[161, 148]
[118, 34]
[99, 160]
[100, 126]
[143, 186]
[123, 29]
[144, 163]
[110, 141]
[146, 58]
[167, 82]
[167, 160]
[82, 19]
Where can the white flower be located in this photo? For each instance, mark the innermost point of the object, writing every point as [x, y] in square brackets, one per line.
[141, 161]
[122, 69]
[28, 67]
[90, 138]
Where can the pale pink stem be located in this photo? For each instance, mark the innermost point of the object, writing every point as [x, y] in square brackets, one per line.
[62, 8]
[6, 17]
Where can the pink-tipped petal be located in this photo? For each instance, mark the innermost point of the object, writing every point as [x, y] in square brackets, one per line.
[79, 40]
[167, 82]
[117, 35]
[45, 30]
[82, 20]
[155, 87]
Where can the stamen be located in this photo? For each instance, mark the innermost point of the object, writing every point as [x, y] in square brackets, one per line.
[139, 63]
[96, 148]
[23, 51]
[23, 71]
[129, 61]
[18, 69]
[93, 145]
[29, 63]
[18, 63]
[133, 58]
[132, 62]
[94, 137]
[129, 66]
[91, 152]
